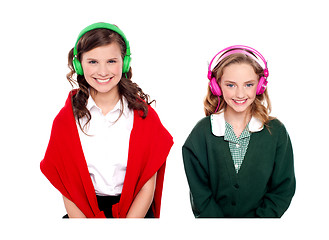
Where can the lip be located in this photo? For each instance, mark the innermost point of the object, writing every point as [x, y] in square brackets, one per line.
[103, 81]
[240, 102]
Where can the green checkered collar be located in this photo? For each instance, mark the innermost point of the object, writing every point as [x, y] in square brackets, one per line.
[230, 135]
[218, 124]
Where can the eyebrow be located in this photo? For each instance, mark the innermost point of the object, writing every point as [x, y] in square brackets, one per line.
[90, 58]
[229, 81]
[251, 81]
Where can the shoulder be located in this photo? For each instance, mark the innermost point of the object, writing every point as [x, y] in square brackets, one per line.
[152, 114]
[65, 117]
[276, 125]
[199, 131]
[151, 124]
[151, 118]
[202, 125]
[277, 131]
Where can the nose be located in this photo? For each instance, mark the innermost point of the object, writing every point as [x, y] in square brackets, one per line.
[240, 92]
[103, 70]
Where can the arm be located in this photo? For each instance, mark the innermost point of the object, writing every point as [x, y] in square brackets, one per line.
[143, 199]
[282, 184]
[202, 201]
[72, 210]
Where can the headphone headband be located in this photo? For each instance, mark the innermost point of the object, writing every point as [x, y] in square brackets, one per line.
[237, 49]
[126, 60]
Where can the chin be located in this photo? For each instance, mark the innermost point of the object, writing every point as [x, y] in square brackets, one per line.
[240, 108]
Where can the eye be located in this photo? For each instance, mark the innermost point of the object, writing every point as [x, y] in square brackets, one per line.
[92, 62]
[230, 85]
[112, 61]
[249, 85]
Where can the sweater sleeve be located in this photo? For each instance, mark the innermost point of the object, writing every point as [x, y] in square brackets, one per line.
[149, 147]
[201, 197]
[64, 164]
[50, 169]
[160, 142]
[282, 184]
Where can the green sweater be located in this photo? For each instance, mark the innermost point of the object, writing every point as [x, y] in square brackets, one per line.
[264, 185]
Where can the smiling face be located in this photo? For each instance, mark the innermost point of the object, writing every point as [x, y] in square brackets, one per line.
[102, 67]
[239, 84]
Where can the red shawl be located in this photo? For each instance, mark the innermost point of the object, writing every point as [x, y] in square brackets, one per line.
[65, 166]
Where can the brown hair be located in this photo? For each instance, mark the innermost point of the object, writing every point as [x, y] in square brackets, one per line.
[136, 98]
[260, 108]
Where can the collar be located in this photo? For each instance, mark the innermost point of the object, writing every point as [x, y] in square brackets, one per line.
[230, 135]
[118, 107]
[218, 124]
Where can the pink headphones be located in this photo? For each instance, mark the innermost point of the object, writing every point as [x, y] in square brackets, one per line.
[214, 87]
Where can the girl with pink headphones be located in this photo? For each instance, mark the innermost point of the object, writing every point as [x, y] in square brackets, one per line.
[238, 159]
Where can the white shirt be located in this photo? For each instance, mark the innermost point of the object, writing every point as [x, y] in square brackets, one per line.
[106, 147]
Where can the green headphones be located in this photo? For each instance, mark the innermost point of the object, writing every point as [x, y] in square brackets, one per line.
[126, 61]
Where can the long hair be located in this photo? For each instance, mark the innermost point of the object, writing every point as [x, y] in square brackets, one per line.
[136, 98]
[260, 108]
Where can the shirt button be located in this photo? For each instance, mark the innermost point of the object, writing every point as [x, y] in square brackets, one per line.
[236, 186]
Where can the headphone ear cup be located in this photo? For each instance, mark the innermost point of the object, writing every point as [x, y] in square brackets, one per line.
[77, 66]
[214, 87]
[261, 86]
[126, 64]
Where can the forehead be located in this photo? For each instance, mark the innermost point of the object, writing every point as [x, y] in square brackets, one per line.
[239, 72]
[107, 51]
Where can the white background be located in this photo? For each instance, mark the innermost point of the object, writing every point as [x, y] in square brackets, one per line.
[172, 43]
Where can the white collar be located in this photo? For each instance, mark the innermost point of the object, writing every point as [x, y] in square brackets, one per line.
[91, 104]
[218, 124]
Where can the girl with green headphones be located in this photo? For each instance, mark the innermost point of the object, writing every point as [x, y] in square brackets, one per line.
[107, 151]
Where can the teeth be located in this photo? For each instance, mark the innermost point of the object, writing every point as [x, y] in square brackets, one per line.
[103, 81]
[240, 101]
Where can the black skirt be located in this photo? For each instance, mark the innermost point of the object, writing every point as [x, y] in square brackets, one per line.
[105, 204]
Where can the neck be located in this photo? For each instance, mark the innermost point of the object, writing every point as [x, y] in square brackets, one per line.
[105, 101]
[238, 120]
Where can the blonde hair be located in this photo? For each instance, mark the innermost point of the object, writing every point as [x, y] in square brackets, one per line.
[260, 108]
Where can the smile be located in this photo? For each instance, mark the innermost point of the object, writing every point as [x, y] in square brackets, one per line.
[103, 80]
[240, 101]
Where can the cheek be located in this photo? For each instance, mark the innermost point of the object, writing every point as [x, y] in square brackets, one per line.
[118, 69]
[227, 93]
[87, 70]
[252, 92]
